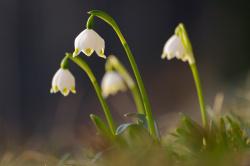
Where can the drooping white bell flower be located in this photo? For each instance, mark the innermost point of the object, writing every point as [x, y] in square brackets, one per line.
[63, 81]
[174, 48]
[112, 83]
[89, 41]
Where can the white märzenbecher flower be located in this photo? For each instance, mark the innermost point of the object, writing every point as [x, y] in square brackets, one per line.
[112, 83]
[174, 48]
[63, 81]
[89, 41]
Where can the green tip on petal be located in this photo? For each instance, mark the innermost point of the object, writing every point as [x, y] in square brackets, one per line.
[73, 90]
[65, 92]
[88, 51]
[103, 56]
[54, 89]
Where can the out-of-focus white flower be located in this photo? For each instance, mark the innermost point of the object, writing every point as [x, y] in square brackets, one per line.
[112, 83]
[89, 41]
[174, 48]
[63, 81]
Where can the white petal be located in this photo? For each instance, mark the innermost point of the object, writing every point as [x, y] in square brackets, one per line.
[85, 42]
[100, 47]
[66, 80]
[55, 77]
[89, 41]
[112, 83]
[54, 87]
[63, 81]
[174, 48]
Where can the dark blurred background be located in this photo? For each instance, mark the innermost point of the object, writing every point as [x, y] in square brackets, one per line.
[34, 35]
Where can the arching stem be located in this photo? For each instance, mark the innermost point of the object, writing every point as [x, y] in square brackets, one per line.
[108, 19]
[114, 63]
[85, 67]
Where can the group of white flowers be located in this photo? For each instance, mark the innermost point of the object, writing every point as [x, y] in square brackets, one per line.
[89, 41]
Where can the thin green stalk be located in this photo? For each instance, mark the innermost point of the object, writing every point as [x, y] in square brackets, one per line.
[114, 63]
[137, 98]
[104, 16]
[84, 66]
[199, 93]
[182, 33]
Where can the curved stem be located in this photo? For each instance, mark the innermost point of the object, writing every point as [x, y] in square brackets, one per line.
[114, 63]
[104, 16]
[199, 93]
[65, 63]
[84, 66]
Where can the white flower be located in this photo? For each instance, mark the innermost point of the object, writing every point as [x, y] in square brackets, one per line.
[112, 83]
[174, 48]
[89, 41]
[63, 81]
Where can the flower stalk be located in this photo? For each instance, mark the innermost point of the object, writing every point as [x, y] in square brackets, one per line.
[114, 63]
[179, 46]
[182, 33]
[108, 19]
[84, 66]
[199, 94]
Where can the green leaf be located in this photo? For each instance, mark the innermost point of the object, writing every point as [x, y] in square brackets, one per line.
[237, 135]
[135, 135]
[193, 127]
[138, 118]
[141, 119]
[101, 126]
[120, 129]
[190, 134]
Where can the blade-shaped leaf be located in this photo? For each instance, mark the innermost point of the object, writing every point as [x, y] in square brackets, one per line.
[101, 126]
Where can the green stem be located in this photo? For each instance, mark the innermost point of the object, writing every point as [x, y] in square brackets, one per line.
[84, 66]
[114, 63]
[199, 93]
[104, 16]
[65, 63]
[137, 98]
